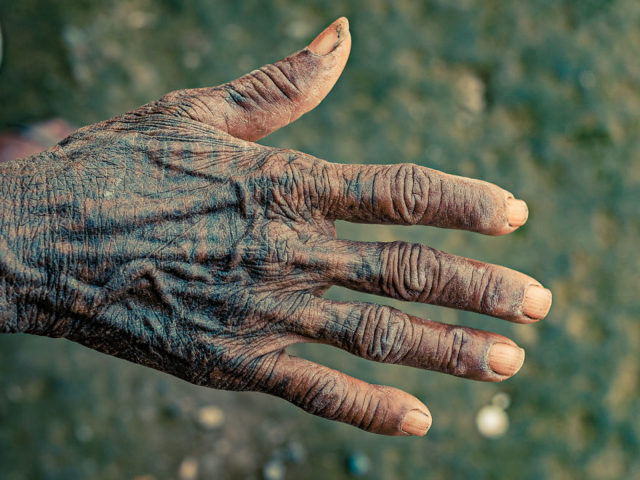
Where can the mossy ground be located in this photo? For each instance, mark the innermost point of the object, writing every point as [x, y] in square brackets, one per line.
[540, 97]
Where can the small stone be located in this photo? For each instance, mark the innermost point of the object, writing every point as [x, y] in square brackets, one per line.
[492, 421]
[210, 417]
[472, 93]
[358, 464]
[274, 469]
[188, 469]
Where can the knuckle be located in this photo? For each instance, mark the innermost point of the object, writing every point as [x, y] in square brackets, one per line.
[234, 96]
[255, 88]
[324, 395]
[476, 206]
[280, 75]
[409, 270]
[489, 291]
[298, 184]
[490, 213]
[320, 186]
[271, 251]
[450, 351]
[246, 93]
[266, 374]
[334, 397]
[445, 276]
[368, 416]
[284, 182]
[479, 212]
[484, 288]
[279, 314]
[382, 334]
[412, 186]
[236, 374]
[214, 366]
[259, 89]
[187, 103]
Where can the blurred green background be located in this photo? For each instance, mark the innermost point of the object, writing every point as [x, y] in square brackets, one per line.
[540, 97]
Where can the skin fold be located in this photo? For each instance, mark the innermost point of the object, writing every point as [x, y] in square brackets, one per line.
[166, 237]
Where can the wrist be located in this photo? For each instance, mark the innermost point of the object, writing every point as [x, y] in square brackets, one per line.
[30, 299]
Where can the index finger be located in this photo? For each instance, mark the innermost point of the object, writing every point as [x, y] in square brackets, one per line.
[409, 194]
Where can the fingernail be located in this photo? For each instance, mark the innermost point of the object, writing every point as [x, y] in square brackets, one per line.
[536, 302]
[517, 212]
[416, 422]
[331, 37]
[505, 359]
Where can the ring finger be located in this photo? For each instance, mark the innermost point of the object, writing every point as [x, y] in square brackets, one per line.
[385, 334]
[417, 273]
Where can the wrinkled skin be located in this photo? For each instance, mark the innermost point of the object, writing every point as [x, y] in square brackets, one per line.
[166, 237]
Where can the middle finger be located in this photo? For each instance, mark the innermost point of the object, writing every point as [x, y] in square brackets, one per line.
[417, 273]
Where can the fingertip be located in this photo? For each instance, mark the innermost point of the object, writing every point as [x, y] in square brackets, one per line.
[505, 359]
[536, 302]
[399, 413]
[413, 416]
[517, 212]
[331, 37]
[416, 423]
[508, 217]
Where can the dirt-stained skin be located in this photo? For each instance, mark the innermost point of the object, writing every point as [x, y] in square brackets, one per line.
[166, 237]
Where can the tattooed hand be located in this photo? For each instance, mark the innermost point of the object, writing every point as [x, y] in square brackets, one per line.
[166, 237]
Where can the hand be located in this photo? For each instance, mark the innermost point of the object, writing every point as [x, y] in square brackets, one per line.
[181, 245]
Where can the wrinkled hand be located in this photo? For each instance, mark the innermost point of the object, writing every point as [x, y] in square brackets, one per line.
[185, 247]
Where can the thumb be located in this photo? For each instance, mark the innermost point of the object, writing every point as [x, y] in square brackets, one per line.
[273, 96]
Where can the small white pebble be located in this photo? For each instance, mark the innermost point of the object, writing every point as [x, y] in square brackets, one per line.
[274, 470]
[210, 417]
[492, 421]
[188, 469]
